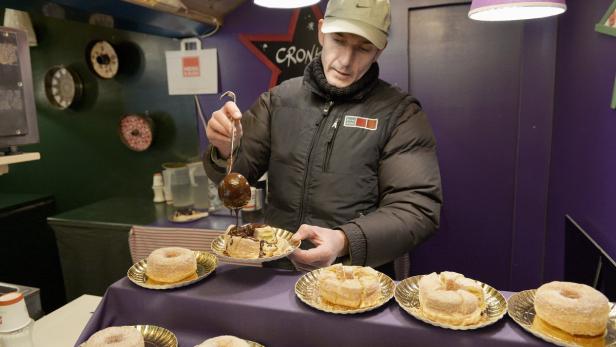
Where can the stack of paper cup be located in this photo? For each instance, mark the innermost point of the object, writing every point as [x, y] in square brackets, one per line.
[15, 323]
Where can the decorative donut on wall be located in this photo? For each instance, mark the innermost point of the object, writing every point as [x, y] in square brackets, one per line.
[63, 87]
[137, 132]
[103, 59]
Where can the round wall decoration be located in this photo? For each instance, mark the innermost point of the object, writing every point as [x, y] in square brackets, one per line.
[63, 87]
[137, 132]
[103, 59]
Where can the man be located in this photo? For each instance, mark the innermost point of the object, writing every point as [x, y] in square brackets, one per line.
[351, 160]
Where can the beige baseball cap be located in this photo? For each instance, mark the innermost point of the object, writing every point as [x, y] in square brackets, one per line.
[367, 18]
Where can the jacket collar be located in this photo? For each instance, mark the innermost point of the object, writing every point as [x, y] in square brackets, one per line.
[314, 78]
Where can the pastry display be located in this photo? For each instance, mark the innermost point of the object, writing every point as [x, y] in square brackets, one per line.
[575, 308]
[254, 241]
[224, 341]
[124, 336]
[451, 298]
[171, 264]
[187, 215]
[349, 286]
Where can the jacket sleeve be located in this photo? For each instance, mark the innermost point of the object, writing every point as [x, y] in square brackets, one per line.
[252, 156]
[410, 195]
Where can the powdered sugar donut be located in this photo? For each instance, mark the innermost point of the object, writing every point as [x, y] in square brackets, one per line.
[171, 264]
[575, 308]
[224, 341]
[451, 298]
[124, 336]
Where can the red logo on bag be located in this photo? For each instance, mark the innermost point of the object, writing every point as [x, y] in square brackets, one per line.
[190, 67]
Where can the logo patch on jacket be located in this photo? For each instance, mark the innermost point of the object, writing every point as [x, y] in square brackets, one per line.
[361, 122]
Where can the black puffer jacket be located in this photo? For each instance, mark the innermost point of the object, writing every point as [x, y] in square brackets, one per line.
[361, 159]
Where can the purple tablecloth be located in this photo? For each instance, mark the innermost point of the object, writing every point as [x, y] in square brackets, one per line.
[259, 304]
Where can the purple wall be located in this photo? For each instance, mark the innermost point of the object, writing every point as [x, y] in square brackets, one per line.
[239, 69]
[493, 221]
[583, 162]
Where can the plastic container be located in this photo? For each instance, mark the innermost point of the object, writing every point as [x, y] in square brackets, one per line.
[16, 326]
[200, 186]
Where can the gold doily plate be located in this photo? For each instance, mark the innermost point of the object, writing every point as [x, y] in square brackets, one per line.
[407, 296]
[219, 245]
[206, 264]
[154, 336]
[307, 290]
[522, 311]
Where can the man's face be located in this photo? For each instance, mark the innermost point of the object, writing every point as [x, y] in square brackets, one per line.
[345, 57]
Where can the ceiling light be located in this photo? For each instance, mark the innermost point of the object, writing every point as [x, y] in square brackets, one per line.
[504, 10]
[285, 3]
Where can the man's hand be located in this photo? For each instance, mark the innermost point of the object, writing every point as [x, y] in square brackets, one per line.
[220, 128]
[329, 244]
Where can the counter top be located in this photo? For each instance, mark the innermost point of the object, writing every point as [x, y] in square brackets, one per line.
[125, 212]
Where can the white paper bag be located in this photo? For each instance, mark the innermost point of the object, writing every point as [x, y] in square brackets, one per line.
[192, 71]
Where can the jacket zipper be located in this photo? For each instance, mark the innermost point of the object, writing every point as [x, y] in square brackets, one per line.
[317, 134]
[330, 144]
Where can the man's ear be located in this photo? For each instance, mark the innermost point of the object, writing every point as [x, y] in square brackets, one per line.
[320, 33]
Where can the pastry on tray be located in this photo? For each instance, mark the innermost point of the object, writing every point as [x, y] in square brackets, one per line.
[252, 241]
[575, 308]
[171, 264]
[123, 336]
[187, 215]
[224, 341]
[451, 298]
[349, 286]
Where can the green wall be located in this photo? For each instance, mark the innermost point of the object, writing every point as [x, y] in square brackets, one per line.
[83, 159]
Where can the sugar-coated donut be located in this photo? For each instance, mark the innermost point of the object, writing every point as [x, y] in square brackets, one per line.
[224, 341]
[451, 298]
[125, 336]
[171, 264]
[349, 286]
[576, 308]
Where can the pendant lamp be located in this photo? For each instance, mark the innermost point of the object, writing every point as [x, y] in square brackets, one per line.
[285, 3]
[504, 10]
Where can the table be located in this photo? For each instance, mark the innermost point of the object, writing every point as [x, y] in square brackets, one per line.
[93, 239]
[61, 328]
[259, 304]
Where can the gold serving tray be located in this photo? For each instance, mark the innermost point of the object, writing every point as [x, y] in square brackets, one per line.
[307, 290]
[219, 245]
[522, 311]
[407, 296]
[154, 336]
[206, 264]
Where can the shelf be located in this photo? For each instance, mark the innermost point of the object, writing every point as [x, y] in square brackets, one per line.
[16, 158]
[155, 17]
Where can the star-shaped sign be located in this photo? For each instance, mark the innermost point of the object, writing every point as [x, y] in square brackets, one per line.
[288, 54]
